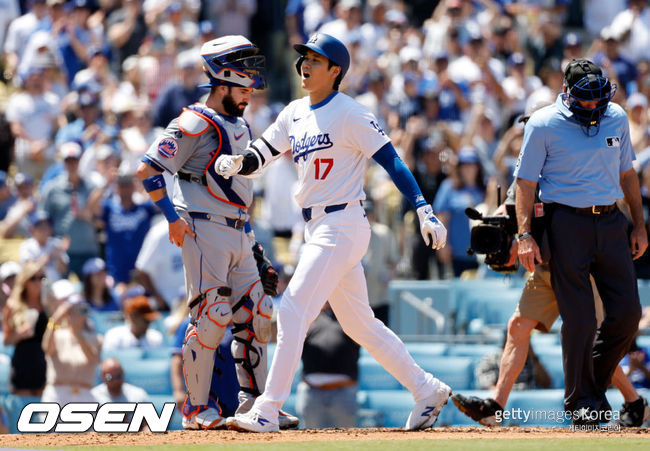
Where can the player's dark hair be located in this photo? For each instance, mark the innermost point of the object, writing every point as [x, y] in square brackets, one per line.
[337, 82]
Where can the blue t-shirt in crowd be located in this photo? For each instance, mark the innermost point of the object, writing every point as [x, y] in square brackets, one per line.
[224, 385]
[454, 201]
[125, 230]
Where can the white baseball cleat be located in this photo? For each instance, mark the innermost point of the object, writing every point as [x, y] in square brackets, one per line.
[251, 422]
[287, 421]
[425, 413]
[209, 418]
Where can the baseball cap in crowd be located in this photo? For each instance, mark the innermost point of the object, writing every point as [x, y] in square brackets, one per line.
[99, 50]
[467, 154]
[395, 17]
[188, 59]
[516, 59]
[206, 27]
[635, 100]
[86, 4]
[135, 302]
[70, 149]
[22, 178]
[62, 289]
[349, 4]
[572, 40]
[93, 266]
[88, 98]
[174, 7]
[54, 2]
[9, 269]
[577, 69]
[38, 217]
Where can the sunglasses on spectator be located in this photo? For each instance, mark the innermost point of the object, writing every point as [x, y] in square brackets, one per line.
[117, 376]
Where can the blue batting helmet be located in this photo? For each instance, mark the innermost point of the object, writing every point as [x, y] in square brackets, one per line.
[328, 46]
[233, 61]
[585, 82]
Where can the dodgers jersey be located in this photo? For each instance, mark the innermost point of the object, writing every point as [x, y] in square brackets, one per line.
[573, 168]
[191, 144]
[329, 143]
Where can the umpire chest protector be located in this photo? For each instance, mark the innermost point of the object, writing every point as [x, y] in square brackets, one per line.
[233, 135]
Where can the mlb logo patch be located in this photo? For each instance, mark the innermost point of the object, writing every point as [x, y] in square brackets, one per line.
[167, 147]
[613, 141]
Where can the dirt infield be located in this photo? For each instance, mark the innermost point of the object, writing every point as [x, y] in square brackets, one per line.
[211, 437]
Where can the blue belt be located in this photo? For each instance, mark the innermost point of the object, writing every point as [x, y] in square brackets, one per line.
[306, 212]
[230, 222]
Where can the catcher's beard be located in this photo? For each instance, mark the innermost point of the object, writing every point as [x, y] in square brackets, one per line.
[232, 108]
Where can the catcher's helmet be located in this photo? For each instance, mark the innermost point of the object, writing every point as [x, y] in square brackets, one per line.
[585, 81]
[328, 46]
[232, 61]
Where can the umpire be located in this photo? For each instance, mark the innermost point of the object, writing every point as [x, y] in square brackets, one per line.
[580, 146]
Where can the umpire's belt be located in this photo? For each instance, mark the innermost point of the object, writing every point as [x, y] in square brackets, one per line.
[193, 178]
[594, 210]
[230, 222]
[308, 213]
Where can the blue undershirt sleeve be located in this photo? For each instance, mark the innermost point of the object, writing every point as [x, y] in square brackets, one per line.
[387, 157]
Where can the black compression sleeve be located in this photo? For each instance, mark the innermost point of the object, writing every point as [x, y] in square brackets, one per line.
[249, 164]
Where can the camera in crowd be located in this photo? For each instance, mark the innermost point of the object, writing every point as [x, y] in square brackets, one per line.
[493, 238]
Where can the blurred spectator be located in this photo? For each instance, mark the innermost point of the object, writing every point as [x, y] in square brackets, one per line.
[181, 92]
[552, 78]
[18, 34]
[611, 60]
[572, 48]
[97, 287]
[177, 30]
[126, 30]
[464, 188]
[89, 126]
[98, 71]
[637, 107]
[347, 26]
[45, 249]
[544, 41]
[23, 325]
[636, 365]
[75, 38]
[126, 223]
[507, 153]
[379, 263]
[159, 266]
[533, 375]
[327, 394]
[633, 26]
[231, 16]
[65, 199]
[17, 222]
[8, 272]
[9, 11]
[597, 14]
[113, 388]
[7, 198]
[427, 170]
[34, 151]
[136, 333]
[375, 97]
[518, 85]
[72, 349]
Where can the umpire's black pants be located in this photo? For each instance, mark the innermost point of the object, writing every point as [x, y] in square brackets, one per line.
[581, 244]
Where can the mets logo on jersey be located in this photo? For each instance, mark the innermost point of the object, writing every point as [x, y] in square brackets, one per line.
[613, 141]
[167, 147]
[308, 144]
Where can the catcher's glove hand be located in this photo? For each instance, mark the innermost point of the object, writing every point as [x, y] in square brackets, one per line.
[268, 274]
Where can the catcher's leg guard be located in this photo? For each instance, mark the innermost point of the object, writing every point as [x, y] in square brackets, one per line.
[251, 330]
[210, 316]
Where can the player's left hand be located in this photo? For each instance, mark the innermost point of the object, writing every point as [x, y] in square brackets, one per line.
[638, 241]
[433, 231]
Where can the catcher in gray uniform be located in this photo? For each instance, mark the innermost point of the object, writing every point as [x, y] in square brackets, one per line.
[208, 219]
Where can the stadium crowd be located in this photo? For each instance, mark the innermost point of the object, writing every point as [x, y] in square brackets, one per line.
[86, 86]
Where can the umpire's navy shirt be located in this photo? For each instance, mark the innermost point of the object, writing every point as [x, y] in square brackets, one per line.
[571, 167]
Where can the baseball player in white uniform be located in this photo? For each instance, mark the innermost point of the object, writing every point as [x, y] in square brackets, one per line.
[331, 137]
[208, 218]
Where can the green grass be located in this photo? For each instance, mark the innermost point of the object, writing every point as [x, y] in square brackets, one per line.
[489, 444]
